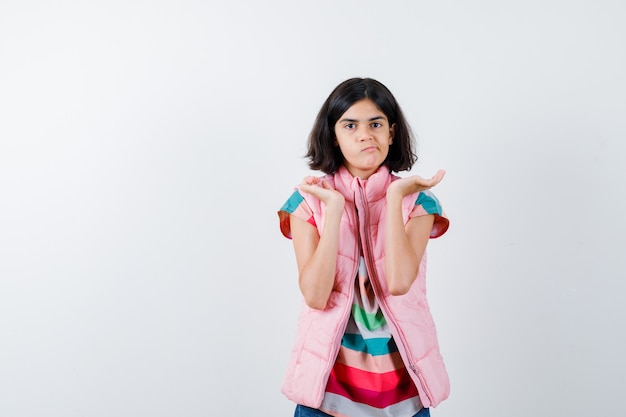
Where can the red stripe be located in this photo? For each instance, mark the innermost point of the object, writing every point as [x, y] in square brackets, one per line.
[379, 399]
[369, 380]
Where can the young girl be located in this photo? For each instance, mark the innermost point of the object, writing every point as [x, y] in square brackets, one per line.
[366, 344]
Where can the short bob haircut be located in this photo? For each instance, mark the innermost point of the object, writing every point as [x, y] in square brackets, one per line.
[323, 153]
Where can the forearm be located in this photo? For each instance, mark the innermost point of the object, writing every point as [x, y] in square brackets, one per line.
[401, 261]
[317, 276]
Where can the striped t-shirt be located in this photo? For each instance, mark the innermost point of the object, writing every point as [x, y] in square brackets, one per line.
[368, 377]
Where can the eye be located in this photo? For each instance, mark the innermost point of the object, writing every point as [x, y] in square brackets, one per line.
[377, 124]
[350, 126]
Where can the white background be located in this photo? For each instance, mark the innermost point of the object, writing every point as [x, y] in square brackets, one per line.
[145, 147]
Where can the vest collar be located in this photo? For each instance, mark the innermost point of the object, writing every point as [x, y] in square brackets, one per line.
[374, 188]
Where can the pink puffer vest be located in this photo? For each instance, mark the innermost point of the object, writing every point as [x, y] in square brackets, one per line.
[319, 332]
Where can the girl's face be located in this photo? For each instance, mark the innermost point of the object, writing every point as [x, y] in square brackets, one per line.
[364, 136]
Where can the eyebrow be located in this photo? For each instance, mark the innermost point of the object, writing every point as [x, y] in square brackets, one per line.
[371, 119]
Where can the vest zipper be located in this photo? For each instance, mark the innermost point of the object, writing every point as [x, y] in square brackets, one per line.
[371, 268]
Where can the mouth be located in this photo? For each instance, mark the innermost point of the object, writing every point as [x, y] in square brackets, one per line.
[369, 149]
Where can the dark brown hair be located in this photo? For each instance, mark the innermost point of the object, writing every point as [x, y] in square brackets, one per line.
[322, 153]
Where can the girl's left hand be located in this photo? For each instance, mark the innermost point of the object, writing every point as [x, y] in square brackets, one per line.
[414, 184]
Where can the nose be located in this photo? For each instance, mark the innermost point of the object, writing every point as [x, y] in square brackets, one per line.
[364, 134]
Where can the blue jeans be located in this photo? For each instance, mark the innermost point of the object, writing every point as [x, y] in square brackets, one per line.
[302, 411]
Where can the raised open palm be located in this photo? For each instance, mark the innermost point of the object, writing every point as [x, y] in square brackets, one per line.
[414, 184]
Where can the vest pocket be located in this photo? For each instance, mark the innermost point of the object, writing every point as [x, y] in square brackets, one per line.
[433, 377]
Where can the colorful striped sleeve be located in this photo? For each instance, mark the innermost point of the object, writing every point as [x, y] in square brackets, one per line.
[297, 206]
[427, 203]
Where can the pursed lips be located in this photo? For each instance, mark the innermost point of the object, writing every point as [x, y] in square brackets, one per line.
[369, 149]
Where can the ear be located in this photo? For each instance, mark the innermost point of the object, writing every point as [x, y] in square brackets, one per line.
[392, 133]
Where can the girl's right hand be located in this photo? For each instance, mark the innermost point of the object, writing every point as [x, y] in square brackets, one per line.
[324, 191]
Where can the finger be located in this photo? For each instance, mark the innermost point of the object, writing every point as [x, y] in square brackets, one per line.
[310, 180]
[310, 189]
[326, 185]
[436, 179]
